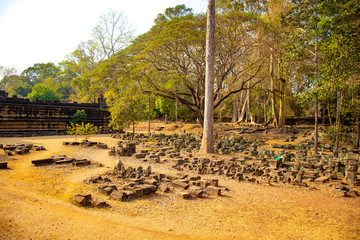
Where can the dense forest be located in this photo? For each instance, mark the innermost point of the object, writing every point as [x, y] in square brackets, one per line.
[273, 59]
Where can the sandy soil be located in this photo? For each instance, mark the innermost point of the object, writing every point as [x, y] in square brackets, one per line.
[34, 204]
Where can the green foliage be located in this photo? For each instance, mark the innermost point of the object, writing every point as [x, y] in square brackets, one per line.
[128, 105]
[39, 72]
[85, 130]
[165, 106]
[79, 117]
[344, 136]
[41, 92]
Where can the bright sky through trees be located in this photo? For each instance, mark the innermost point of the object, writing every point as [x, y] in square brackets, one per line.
[41, 31]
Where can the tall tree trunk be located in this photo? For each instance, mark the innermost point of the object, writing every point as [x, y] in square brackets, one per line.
[266, 109]
[282, 95]
[329, 113]
[235, 111]
[273, 95]
[258, 113]
[133, 135]
[176, 106]
[149, 114]
[338, 119]
[316, 111]
[243, 111]
[207, 144]
[239, 105]
[358, 135]
[248, 98]
[316, 95]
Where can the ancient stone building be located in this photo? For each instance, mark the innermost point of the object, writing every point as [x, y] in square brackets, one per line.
[19, 116]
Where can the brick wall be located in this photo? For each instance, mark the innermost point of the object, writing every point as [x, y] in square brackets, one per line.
[18, 115]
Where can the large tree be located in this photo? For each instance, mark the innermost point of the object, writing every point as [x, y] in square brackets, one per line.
[174, 51]
[207, 144]
[112, 33]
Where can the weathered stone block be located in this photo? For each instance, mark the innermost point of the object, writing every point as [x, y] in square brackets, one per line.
[99, 202]
[180, 184]
[213, 190]
[118, 195]
[83, 200]
[146, 188]
[184, 195]
[140, 155]
[164, 188]
[339, 193]
[107, 189]
[196, 192]
[3, 165]
[323, 179]
[42, 162]
[151, 182]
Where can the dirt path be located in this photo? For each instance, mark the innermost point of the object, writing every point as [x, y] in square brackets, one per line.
[34, 204]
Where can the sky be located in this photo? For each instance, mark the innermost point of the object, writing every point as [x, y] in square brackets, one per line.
[42, 31]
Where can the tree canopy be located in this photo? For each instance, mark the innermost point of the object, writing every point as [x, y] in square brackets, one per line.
[41, 92]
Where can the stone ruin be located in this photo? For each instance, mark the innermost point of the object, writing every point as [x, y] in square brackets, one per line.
[123, 149]
[261, 166]
[19, 149]
[22, 117]
[86, 143]
[60, 159]
[126, 184]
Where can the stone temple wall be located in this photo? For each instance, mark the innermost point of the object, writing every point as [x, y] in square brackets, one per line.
[19, 116]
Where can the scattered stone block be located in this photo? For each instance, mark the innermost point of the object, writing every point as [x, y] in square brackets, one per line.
[339, 193]
[118, 195]
[151, 182]
[146, 188]
[196, 192]
[83, 200]
[8, 153]
[323, 179]
[81, 162]
[107, 189]
[65, 161]
[184, 195]
[164, 188]
[180, 184]
[204, 183]
[43, 162]
[213, 190]
[140, 155]
[102, 145]
[100, 203]
[138, 192]
[3, 165]
[353, 193]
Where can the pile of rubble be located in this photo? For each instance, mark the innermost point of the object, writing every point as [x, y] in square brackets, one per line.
[123, 149]
[190, 142]
[20, 149]
[87, 143]
[60, 159]
[266, 166]
[125, 184]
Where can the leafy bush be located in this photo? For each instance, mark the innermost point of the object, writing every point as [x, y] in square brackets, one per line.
[85, 130]
[79, 117]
